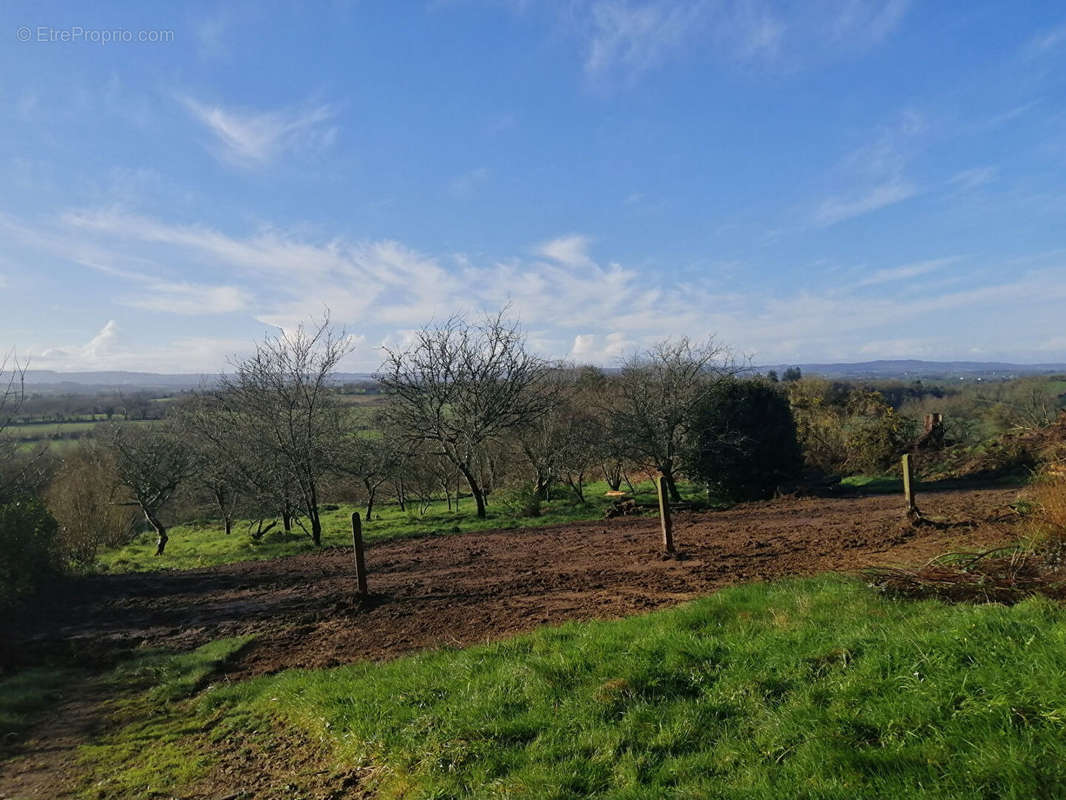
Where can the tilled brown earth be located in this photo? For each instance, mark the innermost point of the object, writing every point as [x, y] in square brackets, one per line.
[461, 589]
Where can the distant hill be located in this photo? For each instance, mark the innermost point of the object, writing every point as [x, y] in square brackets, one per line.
[906, 369]
[43, 380]
[914, 369]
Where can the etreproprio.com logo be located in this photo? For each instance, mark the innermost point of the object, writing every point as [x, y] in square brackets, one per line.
[76, 34]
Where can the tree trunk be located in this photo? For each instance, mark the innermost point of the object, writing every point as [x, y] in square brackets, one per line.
[286, 520]
[316, 529]
[613, 478]
[312, 511]
[160, 530]
[671, 485]
[370, 492]
[475, 490]
[578, 486]
[540, 486]
[223, 509]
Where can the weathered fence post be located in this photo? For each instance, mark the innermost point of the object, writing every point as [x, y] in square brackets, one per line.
[664, 515]
[908, 483]
[360, 561]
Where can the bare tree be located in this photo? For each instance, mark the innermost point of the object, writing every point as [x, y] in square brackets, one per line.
[12, 387]
[656, 395]
[225, 473]
[460, 386]
[12, 396]
[152, 462]
[20, 472]
[372, 461]
[279, 400]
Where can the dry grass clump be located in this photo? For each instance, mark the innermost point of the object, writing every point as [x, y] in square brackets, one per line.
[1005, 575]
[1049, 496]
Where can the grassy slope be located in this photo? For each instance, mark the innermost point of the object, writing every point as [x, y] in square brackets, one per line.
[205, 545]
[147, 703]
[816, 688]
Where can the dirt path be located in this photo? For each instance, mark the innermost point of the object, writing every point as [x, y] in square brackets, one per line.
[458, 590]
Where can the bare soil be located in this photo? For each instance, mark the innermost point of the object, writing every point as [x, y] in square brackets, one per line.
[460, 589]
[468, 588]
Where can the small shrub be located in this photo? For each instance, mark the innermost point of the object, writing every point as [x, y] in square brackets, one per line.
[28, 554]
[519, 501]
[83, 497]
[876, 435]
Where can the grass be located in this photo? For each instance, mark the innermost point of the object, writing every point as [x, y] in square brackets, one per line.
[145, 699]
[207, 544]
[24, 695]
[818, 688]
[156, 742]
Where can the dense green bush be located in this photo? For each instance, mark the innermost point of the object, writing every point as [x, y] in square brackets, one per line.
[745, 443]
[520, 501]
[876, 434]
[27, 548]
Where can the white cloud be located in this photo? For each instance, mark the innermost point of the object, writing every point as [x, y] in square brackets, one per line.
[112, 349]
[188, 298]
[103, 343]
[572, 305]
[873, 176]
[901, 273]
[839, 209]
[623, 39]
[635, 37]
[973, 178]
[1046, 41]
[571, 250]
[255, 138]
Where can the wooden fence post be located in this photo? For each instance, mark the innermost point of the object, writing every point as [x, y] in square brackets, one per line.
[360, 561]
[664, 515]
[908, 483]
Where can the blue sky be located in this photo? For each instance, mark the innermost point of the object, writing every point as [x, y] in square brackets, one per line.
[826, 180]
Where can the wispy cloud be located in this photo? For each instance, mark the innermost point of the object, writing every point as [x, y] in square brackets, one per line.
[255, 138]
[838, 209]
[571, 250]
[623, 39]
[1046, 41]
[873, 176]
[635, 37]
[902, 273]
[973, 178]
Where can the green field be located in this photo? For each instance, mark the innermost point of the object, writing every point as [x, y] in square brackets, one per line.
[207, 544]
[819, 688]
